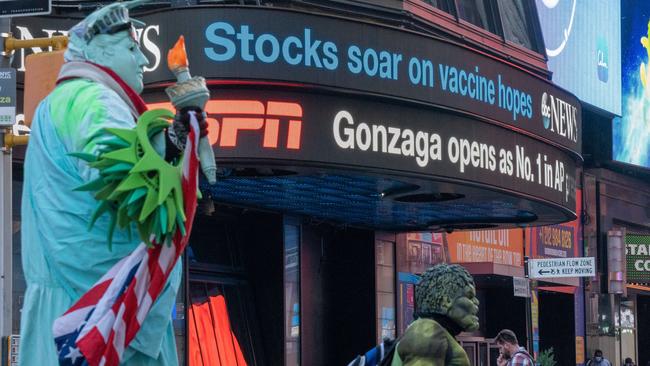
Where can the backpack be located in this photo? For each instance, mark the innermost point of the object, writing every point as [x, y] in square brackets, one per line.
[380, 355]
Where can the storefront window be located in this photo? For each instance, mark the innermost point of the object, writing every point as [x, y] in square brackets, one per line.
[516, 19]
[385, 277]
[475, 12]
[292, 292]
[415, 253]
[440, 4]
[628, 329]
[416, 256]
[516, 22]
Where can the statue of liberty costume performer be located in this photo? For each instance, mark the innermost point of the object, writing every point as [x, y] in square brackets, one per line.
[98, 88]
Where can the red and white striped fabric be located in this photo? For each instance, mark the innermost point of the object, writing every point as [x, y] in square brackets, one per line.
[100, 325]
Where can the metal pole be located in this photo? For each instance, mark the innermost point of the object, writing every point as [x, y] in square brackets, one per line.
[6, 218]
[529, 315]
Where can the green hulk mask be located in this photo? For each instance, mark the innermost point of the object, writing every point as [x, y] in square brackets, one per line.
[448, 290]
[446, 304]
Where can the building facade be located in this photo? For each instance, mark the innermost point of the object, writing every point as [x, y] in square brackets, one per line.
[338, 128]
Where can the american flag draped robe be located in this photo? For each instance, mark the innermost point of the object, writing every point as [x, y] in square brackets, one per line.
[100, 325]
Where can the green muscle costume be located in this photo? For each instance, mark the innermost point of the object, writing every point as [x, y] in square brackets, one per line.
[447, 304]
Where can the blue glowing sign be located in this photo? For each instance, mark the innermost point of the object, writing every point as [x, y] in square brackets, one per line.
[582, 39]
[631, 133]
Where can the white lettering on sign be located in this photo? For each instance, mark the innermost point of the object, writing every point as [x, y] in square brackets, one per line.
[636, 249]
[145, 37]
[424, 146]
[642, 265]
[565, 267]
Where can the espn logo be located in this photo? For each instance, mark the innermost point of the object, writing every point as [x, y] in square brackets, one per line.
[230, 118]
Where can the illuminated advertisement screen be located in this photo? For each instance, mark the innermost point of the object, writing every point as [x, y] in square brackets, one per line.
[295, 48]
[319, 129]
[631, 134]
[582, 39]
[638, 258]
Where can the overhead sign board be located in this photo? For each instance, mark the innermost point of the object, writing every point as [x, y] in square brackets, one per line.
[521, 287]
[376, 136]
[7, 97]
[228, 43]
[19, 8]
[637, 253]
[562, 267]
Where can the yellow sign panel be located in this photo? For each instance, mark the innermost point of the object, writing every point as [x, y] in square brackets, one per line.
[580, 350]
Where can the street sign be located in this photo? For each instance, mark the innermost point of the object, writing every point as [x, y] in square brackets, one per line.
[521, 286]
[562, 267]
[7, 97]
[21, 8]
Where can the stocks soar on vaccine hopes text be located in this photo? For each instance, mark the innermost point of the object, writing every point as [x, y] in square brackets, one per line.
[226, 43]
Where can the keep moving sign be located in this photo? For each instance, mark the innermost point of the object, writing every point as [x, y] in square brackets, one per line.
[562, 267]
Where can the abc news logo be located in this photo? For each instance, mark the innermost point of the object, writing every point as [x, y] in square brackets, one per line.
[560, 117]
[230, 118]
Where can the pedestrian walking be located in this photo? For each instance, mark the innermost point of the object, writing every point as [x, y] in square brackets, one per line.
[510, 352]
[599, 360]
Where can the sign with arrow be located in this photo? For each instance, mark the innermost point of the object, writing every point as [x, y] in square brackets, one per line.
[562, 267]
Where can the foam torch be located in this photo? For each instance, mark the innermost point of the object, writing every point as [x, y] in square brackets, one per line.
[190, 91]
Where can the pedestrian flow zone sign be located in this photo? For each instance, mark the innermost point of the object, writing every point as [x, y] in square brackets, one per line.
[562, 267]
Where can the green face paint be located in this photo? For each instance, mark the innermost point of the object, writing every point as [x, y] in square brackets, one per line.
[120, 53]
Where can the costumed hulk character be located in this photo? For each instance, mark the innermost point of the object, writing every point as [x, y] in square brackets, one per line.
[98, 88]
[446, 305]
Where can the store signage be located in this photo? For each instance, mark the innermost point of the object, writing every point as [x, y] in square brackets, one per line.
[19, 8]
[521, 286]
[233, 43]
[562, 267]
[7, 97]
[315, 129]
[495, 246]
[555, 241]
[637, 253]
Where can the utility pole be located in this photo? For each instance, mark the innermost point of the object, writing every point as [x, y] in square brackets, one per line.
[8, 98]
[7, 141]
[6, 213]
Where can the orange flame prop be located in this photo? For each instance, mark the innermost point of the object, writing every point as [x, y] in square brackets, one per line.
[177, 57]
